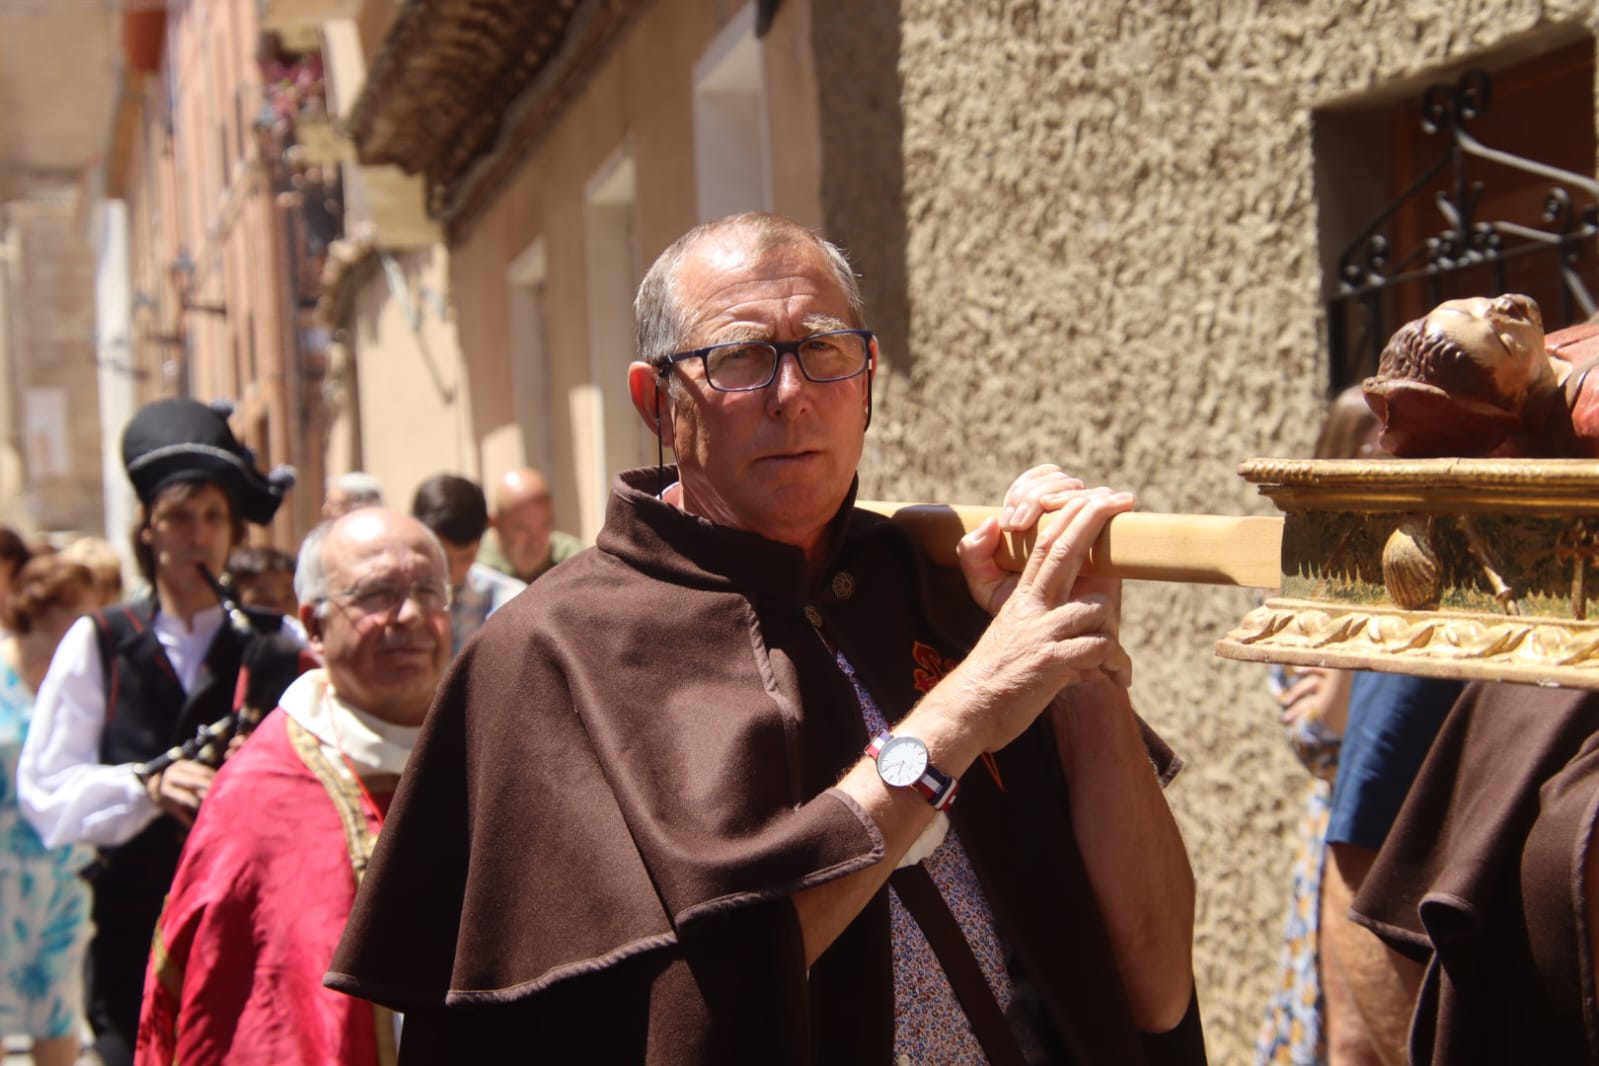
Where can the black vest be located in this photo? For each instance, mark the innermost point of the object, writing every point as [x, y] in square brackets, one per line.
[148, 712]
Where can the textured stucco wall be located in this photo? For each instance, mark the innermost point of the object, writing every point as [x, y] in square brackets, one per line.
[637, 103]
[415, 388]
[1103, 212]
[52, 361]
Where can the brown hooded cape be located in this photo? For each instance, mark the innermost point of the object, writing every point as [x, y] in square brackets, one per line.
[627, 774]
[1481, 880]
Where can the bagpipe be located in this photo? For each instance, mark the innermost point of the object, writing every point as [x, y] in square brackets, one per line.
[210, 743]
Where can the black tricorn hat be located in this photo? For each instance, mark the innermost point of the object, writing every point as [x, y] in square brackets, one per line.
[176, 440]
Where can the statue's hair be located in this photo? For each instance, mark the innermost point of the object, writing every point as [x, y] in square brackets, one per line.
[1415, 353]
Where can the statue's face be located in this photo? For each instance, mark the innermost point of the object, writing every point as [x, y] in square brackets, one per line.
[1458, 381]
[1503, 335]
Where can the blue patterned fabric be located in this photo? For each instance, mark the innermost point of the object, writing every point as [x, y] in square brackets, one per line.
[1293, 1033]
[482, 593]
[44, 904]
[930, 1028]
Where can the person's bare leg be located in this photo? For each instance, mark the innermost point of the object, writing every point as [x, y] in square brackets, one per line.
[57, 1051]
[1382, 983]
[1348, 1042]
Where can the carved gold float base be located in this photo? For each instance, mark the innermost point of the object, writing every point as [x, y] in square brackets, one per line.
[1482, 569]
[1456, 644]
[1476, 569]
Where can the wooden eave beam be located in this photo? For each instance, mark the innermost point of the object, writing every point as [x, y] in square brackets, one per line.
[589, 37]
[440, 81]
[463, 91]
[124, 131]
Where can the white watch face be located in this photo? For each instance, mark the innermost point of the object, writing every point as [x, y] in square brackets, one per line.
[902, 761]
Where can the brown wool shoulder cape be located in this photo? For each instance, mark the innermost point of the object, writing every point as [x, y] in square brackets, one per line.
[627, 774]
[1482, 880]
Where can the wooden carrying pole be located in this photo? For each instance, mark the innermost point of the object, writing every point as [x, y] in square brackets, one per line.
[1201, 549]
[1485, 569]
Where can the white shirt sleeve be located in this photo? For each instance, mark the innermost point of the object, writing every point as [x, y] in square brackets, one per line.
[65, 792]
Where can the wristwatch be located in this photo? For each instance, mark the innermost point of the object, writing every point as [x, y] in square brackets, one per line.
[902, 762]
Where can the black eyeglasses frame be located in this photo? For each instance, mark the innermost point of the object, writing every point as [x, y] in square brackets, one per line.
[346, 599]
[665, 363]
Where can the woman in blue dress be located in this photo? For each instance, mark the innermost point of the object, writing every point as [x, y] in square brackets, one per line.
[44, 904]
[1311, 1019]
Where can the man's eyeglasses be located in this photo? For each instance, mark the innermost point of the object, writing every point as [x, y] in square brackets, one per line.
[383, 597]
[745, 366]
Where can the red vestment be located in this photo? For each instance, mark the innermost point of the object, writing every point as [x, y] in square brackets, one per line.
[258, 905]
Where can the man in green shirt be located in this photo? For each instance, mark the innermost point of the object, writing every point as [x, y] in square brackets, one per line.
[522, 539]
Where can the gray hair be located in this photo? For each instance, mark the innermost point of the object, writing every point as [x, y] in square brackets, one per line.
[311, 569]
[311, 572]
[662, 322]
[362, 488]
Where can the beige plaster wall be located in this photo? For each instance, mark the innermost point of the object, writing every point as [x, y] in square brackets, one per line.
[628, 103]
[415, 419]
[238, 320]
[57, 86]
[1109, 238]
[58, 69]
[639, 101]
[1088, 234]
[51, 385]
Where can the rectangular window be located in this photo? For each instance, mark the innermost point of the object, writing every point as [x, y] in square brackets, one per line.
[610, 213]
[1370, 151]
[526, 281]
[731, 139]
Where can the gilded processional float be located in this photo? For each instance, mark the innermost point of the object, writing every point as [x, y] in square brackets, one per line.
[1473, 554]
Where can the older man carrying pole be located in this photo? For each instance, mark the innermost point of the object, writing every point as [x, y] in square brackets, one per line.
[268, 874]
[725, 742]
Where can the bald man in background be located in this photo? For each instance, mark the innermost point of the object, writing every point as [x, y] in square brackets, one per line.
[522, 540]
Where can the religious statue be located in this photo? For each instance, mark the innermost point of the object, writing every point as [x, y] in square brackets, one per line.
[1479, 378]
